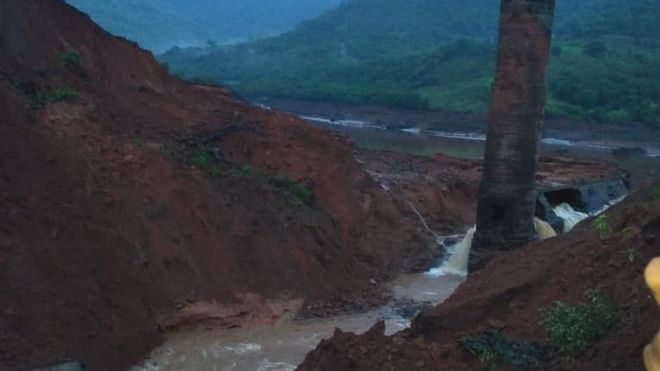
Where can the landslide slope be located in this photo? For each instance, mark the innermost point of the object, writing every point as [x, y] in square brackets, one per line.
[509, 293]
[129, 200]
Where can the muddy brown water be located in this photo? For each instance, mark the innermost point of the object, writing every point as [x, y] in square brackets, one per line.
[283, 347]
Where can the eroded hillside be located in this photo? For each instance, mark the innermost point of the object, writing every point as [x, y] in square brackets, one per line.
[499, 317]
[131, 201]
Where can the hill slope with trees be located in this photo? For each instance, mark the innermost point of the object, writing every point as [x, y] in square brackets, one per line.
[440, 55]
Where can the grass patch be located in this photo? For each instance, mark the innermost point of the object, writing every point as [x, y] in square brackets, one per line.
[602, 227]
[628, 252]
[64, 93]
[138, 140]
[204, 160]
[489, 360]
[298, 191]
[655, 193]
[572, 329]
[70, 58]
[247, 170]
[495, 350]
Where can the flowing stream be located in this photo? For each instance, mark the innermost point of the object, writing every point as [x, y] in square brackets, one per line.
[280, 348]
[283, 347]
[570, 216]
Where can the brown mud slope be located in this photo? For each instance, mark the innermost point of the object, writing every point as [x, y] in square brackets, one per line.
[444, 189]
[131, 201]
[508, 293]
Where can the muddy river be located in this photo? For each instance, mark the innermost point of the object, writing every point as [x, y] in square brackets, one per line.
[283, 347]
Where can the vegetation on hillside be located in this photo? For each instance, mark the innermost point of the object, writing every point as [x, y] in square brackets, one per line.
[573, 328]
[440, 55]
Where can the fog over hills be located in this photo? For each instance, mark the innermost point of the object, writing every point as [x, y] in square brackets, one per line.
[161, 24]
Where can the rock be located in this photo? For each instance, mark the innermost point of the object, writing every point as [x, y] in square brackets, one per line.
[595, 196]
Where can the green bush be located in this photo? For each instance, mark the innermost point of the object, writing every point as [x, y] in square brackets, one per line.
[204, 160]
[63, 93]
[574, 328]
[298, 191]
[70, 58]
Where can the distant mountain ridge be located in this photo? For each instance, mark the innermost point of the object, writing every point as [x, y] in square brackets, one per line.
[161, 24]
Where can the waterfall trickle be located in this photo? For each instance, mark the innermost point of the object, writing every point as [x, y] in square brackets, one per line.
[570, 216]
[422, 220]
[459, 255]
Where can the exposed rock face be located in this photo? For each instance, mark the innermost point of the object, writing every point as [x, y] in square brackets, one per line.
[507, 196]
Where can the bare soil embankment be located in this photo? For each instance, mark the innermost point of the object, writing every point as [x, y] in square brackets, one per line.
[509, 292]
[131, 202]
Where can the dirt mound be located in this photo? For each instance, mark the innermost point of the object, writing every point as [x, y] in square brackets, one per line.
[131, 201]
[444, 189]
[505, 298]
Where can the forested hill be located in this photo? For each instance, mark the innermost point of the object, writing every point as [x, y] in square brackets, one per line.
[161, 24]
[439, 54]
